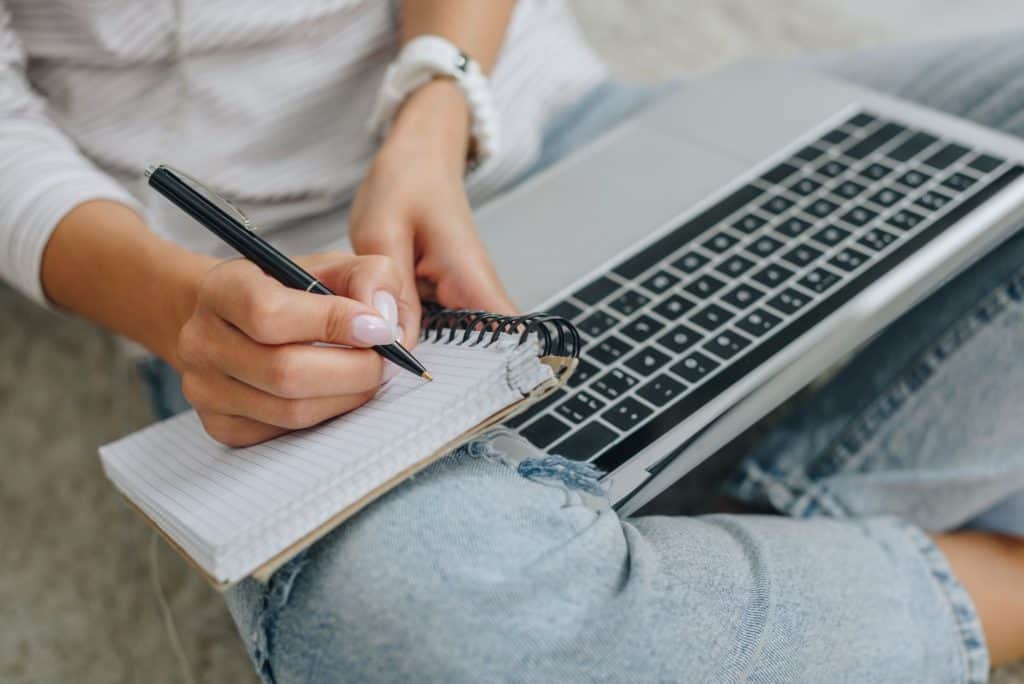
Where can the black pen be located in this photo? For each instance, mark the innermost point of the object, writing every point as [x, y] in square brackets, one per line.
[259, 251]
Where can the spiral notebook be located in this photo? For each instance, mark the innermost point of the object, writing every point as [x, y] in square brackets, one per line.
[239, 512]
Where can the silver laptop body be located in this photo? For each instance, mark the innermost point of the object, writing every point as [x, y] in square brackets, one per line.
[684, 158]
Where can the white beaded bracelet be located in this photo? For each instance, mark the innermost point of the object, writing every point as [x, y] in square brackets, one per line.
[420, 61]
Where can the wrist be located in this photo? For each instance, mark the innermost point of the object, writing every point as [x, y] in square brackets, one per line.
[103, 263]
[434, 119]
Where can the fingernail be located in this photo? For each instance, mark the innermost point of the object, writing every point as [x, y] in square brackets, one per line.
[386, 305]
[371, 330]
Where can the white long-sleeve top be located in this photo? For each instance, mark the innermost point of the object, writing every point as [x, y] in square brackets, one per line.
[265, 101]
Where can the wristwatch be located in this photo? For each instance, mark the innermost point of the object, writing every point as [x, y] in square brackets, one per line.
[420, 61]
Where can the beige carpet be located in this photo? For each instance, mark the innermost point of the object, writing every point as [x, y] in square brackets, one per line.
[76, 602]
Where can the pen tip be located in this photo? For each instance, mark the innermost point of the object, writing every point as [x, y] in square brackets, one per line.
[426, 376]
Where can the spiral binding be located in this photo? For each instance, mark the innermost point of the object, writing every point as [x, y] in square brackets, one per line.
[558, 337]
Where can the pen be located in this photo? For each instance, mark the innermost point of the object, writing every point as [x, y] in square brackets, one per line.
[259, 251]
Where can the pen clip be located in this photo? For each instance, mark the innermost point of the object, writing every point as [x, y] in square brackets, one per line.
[214, 197]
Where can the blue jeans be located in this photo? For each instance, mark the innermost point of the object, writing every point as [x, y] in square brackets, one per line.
[480, 569]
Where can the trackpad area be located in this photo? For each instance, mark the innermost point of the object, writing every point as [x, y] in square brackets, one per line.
[555, 228]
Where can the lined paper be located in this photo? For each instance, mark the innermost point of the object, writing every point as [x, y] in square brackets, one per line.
[232, 510]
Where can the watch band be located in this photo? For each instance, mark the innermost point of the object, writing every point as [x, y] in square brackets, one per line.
[423, 59]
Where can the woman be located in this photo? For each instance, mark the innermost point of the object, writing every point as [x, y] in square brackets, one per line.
[471, 571]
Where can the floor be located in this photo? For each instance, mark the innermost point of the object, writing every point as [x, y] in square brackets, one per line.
[76, 589]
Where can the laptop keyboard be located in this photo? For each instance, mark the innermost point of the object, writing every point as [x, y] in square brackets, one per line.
[671, 327]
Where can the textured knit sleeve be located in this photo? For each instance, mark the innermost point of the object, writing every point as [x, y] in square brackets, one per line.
[43, 176]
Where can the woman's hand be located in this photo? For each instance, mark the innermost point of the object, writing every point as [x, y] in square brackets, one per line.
[247, 363]
[412, 206]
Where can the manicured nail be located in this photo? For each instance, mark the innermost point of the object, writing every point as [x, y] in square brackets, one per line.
[370, 330]
[386, 305]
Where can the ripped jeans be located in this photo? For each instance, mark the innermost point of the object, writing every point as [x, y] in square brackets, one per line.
[502, 564]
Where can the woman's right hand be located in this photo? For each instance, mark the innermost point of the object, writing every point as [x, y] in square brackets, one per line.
[246, 361]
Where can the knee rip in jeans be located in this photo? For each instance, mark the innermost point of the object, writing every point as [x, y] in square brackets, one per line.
[274, 599]
[543, 468]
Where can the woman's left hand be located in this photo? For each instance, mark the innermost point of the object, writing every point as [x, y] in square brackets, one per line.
[412, 205]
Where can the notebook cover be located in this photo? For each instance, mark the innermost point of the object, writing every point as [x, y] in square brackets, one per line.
[562, 367]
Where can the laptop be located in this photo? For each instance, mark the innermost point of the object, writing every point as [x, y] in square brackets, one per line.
[722, 249]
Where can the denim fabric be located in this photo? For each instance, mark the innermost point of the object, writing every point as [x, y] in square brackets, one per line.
[499, 564]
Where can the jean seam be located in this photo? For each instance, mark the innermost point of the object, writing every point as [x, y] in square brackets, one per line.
[846, 450]
[969, 634]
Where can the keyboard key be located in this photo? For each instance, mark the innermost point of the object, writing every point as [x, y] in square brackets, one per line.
[805, 186]
[614, 383]
[679, 339]
[610, 349]
[793, 227]
[861, 120]
[933, 201]
[690, 262]
[712, 317]
[832, 168]
[764, 246]
[545, 430]
[627, 414]
[584, 371]
[913, 146]
[773, 275]
[661, 390]
[986, 163]
[914, 178]
[695, 367]
[660, 282]
[704, 286]
[727, 344]
[579, 406]
[874, 141]
[802, 255]
[886, 197]
[673, 307]
[959, 182]
[809, 154]
[946, 156]
[641, 328]
[779, 174]
[819, 280]
[735, 266]
[777, 205]
[677, 239]
[535, 410]
[822, 208]
[848, 189]
[789, 301]
[719, 243]
[597, 290]
[848, 259]
[877, 239]
[758, 322]
[875, 171]
[565, 310]
[743, 296]
[647, 361]
[835, 137]
[583, 444]
[749, 223]
[597, 324]
[859, 216]
[905, 219]
[830, 236]
[629, 302]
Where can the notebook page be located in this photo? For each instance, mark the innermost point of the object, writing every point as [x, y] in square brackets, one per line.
[230, 509]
